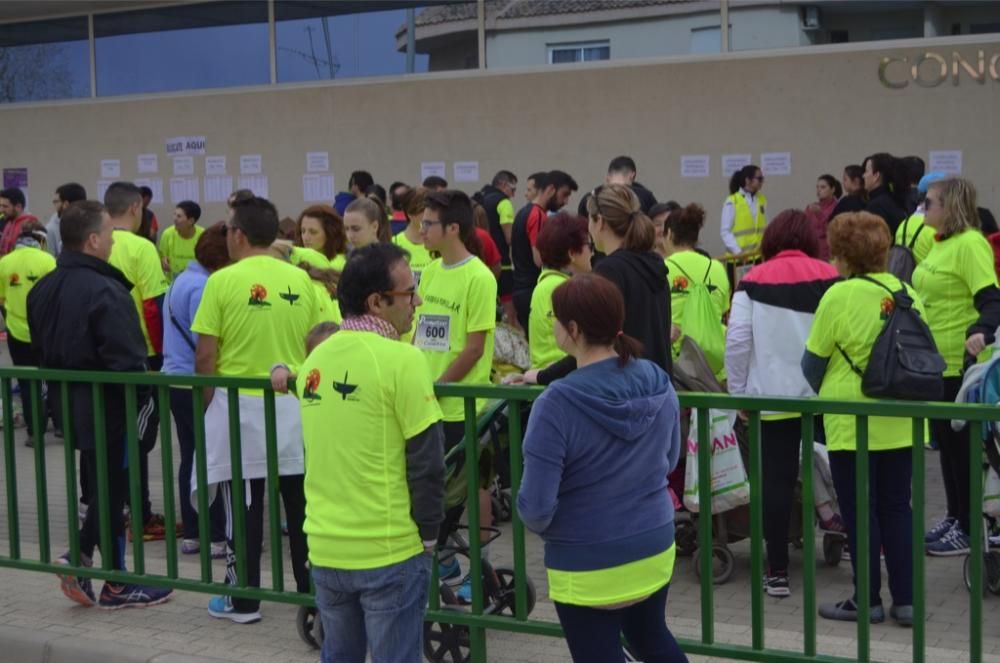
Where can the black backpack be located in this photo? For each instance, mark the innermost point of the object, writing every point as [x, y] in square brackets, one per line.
[905, 363]
[902, 262]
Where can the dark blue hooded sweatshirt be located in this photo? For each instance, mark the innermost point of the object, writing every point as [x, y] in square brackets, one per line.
[599, 447]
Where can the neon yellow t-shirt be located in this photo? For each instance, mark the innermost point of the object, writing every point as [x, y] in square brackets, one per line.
[420, 257]
[19, 271]
[137, 259]
[505, 210]
[377, 393]
[909, 229]
[312, 257]
[457, 300]
[851, 315]
[178, 251]
[947, 280]
[261, 310]
[541, 332]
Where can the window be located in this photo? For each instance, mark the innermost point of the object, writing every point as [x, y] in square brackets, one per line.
[44, 60]
[706, 40]
[587, 52]
[319, 40]
[182, 47]
[984, 28]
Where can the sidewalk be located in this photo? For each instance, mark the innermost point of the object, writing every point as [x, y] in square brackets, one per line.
[38, 624]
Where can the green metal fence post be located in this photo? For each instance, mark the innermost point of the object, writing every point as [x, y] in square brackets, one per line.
[516, 467]
[201, 482]
[917, 500]
[477, 634]
[863, 539]
[976, 538]
[134, 479]
[34, 387]
[756, 535]
[69, 453]
[167, 469]
[10, 469]
[273, 503]
[808, 539]
[103, 493]
[705, 553]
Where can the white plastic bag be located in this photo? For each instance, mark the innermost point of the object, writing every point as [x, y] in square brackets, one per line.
[730, 487]
[991, 494]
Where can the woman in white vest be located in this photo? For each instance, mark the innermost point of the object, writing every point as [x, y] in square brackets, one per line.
[743, 214]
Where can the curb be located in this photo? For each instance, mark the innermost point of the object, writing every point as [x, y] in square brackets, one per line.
[19, 645]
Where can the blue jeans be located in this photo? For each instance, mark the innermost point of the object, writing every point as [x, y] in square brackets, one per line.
[382, 607]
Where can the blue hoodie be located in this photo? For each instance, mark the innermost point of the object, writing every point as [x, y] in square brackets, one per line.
[599, 447]
[343, 199]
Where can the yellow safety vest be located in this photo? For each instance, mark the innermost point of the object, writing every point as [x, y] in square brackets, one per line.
[748, 231]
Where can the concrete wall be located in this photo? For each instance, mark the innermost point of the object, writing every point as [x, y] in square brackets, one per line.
[825, 105]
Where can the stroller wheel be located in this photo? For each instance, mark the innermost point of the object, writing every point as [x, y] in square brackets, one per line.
[309, 626]
[446, 643]
[991, 572]
[833, 549]
[506, 598]
[686, 537]
[723, 563]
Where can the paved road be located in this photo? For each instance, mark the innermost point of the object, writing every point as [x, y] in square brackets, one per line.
[36, 619]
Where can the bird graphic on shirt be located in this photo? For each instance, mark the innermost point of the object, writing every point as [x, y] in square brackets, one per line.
[289, 296]
[343, 388]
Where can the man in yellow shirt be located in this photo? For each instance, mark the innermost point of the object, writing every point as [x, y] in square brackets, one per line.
[19, 271]
[375, 486]
[254, 314]
[455, 320]
[137, 259]
[178, 241]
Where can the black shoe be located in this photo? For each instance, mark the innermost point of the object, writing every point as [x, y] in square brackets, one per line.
[777, 585]
[847, 611]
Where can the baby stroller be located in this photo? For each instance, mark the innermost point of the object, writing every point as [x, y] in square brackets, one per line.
[982, 385]
[449, 643]
[692, 373]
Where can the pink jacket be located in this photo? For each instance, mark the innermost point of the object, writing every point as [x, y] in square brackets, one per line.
[819, 215]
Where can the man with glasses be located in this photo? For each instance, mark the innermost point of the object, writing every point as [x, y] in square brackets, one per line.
[375, 486]
[743, 214]
[254, 314]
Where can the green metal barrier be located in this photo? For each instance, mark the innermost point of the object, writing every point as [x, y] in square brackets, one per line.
[473, 618]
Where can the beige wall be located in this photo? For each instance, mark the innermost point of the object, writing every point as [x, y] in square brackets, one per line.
[825, 105]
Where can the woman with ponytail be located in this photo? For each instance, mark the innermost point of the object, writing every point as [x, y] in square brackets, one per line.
[599, 446]
[366, 222]
[626, 236]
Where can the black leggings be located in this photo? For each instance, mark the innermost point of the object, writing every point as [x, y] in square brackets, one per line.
[780, 442]
[594, 635]
[953, 449]
[294, 499]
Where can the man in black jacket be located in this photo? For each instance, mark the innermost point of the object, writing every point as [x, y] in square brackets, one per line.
[622, 170]
[81, 317]
[495, 198]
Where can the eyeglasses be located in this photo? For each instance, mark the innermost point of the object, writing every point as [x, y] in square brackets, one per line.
[401, 293]
[426, 225]
[759, 178]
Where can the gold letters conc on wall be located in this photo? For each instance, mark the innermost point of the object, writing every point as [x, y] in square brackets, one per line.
[930, 69]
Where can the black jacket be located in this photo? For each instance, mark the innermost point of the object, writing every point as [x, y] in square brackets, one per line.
[646, 199]
[881, 203]
[81, 317]
[849, 203]
[642, 278]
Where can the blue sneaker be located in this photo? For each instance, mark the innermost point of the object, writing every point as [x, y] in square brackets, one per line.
[955, 542]
[79, 590]
[936, 533]
[464, 593]
[115, 596]
[449, 571]
[221, 607]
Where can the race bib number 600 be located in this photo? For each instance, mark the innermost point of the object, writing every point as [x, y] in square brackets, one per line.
[433, 333]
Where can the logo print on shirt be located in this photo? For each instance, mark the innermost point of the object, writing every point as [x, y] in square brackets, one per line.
[312, 384]
[258, 294]
[680, 284]
[344, 388]
[888, 305]
[15, 280]
[32, 278]
[289, 296]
